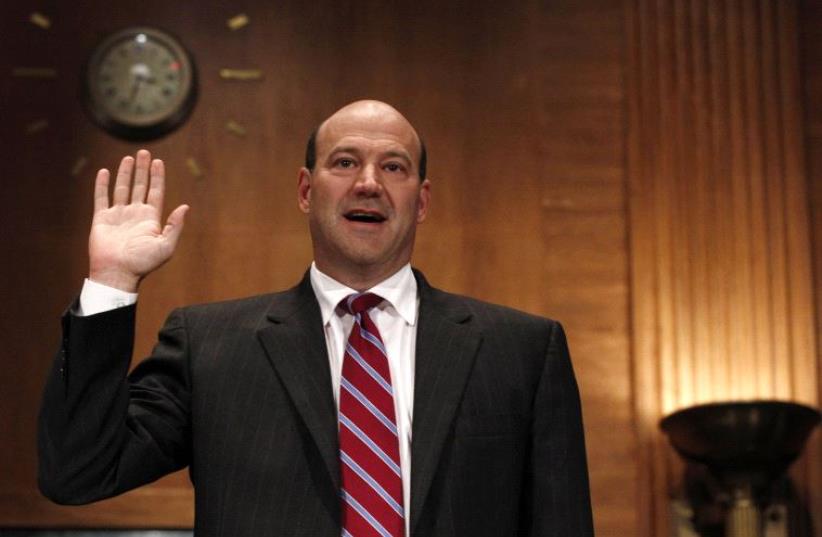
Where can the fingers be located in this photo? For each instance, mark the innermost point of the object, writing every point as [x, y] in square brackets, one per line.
[123, 184]
[156, 191]
[174, 225]
[101, 190]
[149, 185]
[138, 191]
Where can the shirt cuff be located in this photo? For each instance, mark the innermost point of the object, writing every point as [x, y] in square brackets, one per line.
[97, 298]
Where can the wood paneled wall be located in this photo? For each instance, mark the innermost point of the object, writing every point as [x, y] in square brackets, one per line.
[553, 129]
[521, 109]
[810, 31]
[719, 203]
[721, 285]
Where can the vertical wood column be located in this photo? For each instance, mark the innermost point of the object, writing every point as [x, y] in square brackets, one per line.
[721, 285]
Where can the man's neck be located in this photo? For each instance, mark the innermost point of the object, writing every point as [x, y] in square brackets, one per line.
[359, 278]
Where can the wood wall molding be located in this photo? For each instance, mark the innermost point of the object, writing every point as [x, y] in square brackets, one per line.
[721, 286]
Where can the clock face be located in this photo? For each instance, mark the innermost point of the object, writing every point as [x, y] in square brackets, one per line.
[140, 84]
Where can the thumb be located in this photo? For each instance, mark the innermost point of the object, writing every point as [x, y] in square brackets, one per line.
[174, 225]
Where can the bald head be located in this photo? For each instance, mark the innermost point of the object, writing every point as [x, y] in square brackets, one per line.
[366, 116]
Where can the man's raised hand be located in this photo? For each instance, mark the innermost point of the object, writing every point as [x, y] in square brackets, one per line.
[127, 240]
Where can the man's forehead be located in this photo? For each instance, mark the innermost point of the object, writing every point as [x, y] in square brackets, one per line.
[367, 123]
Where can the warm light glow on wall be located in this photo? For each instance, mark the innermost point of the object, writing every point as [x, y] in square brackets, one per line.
[719, 208]
[722, 290]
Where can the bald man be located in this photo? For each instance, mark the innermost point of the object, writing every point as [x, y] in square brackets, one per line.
[360, 402]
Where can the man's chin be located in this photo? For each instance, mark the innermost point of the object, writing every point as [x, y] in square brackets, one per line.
[365, 259]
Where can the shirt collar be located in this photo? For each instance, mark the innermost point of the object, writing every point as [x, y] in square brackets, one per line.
[399, 290]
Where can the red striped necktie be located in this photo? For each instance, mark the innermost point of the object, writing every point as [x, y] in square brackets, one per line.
[371, 493]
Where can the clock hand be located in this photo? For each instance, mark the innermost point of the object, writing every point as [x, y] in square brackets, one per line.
[135, 88]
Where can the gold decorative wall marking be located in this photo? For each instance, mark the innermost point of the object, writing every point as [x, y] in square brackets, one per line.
[36, 126]
[235, 128]
[34, 72]
[241, 74]
[78, 166]
[38, 19]
[238, 21]
[194, 167]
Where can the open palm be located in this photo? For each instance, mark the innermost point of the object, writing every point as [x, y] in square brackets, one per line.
[127, 240]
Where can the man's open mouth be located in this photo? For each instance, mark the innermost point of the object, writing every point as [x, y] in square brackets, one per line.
[370, 217]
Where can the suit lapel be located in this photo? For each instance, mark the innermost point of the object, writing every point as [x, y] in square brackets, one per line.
[447, 343]
[295, 344]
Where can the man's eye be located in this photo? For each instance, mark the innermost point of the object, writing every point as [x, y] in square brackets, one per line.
[394, 167]
[345, 163]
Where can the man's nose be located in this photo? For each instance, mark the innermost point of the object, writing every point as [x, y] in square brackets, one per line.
[368, 181]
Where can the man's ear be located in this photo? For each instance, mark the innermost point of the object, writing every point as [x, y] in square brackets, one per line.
[424, 201]
[304, 190]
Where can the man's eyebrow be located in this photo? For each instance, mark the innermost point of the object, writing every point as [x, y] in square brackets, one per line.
[356, 151]
[344, 149]
[397, 153]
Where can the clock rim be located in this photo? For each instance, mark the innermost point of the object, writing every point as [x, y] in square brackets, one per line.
[130, 131]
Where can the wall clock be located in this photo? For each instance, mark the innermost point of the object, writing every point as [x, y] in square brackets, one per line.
[140, 83]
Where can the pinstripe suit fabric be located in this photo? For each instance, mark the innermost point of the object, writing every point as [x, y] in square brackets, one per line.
[240, 392]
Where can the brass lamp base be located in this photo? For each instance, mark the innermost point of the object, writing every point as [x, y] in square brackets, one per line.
[746, 446]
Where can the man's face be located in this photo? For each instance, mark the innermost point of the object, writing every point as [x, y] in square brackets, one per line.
[364, 198]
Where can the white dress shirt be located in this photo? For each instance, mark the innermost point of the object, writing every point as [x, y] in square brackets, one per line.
[97, 298]
[395, 317]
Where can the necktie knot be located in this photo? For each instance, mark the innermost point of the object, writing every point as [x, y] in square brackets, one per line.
[357, 303]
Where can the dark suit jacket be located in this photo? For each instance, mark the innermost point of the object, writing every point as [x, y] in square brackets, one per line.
[240, 392]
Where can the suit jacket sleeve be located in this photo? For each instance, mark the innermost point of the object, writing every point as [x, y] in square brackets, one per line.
[557, 478]
[102, 432]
